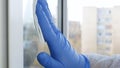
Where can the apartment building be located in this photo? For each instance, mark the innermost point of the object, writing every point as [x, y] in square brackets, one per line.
[100, 30]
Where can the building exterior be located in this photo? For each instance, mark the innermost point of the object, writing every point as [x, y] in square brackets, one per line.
[100, 30]
[116, 30]
[88, 30]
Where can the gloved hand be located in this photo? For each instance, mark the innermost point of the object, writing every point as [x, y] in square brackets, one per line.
[62, 54]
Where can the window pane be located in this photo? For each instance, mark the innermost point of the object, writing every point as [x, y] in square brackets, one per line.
[93, 26]
[74, 21]
[32, 44]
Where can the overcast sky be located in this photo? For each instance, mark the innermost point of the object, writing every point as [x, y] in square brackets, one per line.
[75, 7]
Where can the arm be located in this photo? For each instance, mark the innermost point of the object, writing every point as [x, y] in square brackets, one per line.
[102, 61]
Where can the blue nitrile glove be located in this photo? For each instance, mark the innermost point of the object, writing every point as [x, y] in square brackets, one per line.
[62, 54]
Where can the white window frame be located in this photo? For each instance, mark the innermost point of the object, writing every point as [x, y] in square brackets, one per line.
[15, 29]
[65, 19]
[62, 17]
[3, 34]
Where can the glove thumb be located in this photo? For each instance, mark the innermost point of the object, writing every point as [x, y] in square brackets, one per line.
[47, 61]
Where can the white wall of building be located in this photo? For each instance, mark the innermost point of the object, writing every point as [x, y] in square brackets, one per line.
[116, 30]
[88, 30]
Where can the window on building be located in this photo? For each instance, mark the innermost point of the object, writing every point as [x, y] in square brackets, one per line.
[87, 28]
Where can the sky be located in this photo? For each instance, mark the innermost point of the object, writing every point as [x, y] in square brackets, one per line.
[75, 7]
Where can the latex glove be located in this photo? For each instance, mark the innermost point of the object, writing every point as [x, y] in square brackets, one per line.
[62, 54]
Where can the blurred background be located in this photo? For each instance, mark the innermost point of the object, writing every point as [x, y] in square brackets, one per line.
[93, 27]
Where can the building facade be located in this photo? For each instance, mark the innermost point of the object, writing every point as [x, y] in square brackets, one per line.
[101, 31]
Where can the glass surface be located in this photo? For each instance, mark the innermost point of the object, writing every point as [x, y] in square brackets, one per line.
[32, 44]
[92, 25]
[74, 20]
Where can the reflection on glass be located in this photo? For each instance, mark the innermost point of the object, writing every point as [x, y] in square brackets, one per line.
[32, 44]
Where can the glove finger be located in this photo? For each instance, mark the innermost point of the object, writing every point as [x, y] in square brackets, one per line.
[48, 33]
[44, 4]
[47, 61]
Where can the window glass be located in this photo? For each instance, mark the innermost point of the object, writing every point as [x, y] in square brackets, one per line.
[32, 46]
[93, 26]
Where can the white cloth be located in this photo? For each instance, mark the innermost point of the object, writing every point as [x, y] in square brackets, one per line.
[41, 40]
[101, 61]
